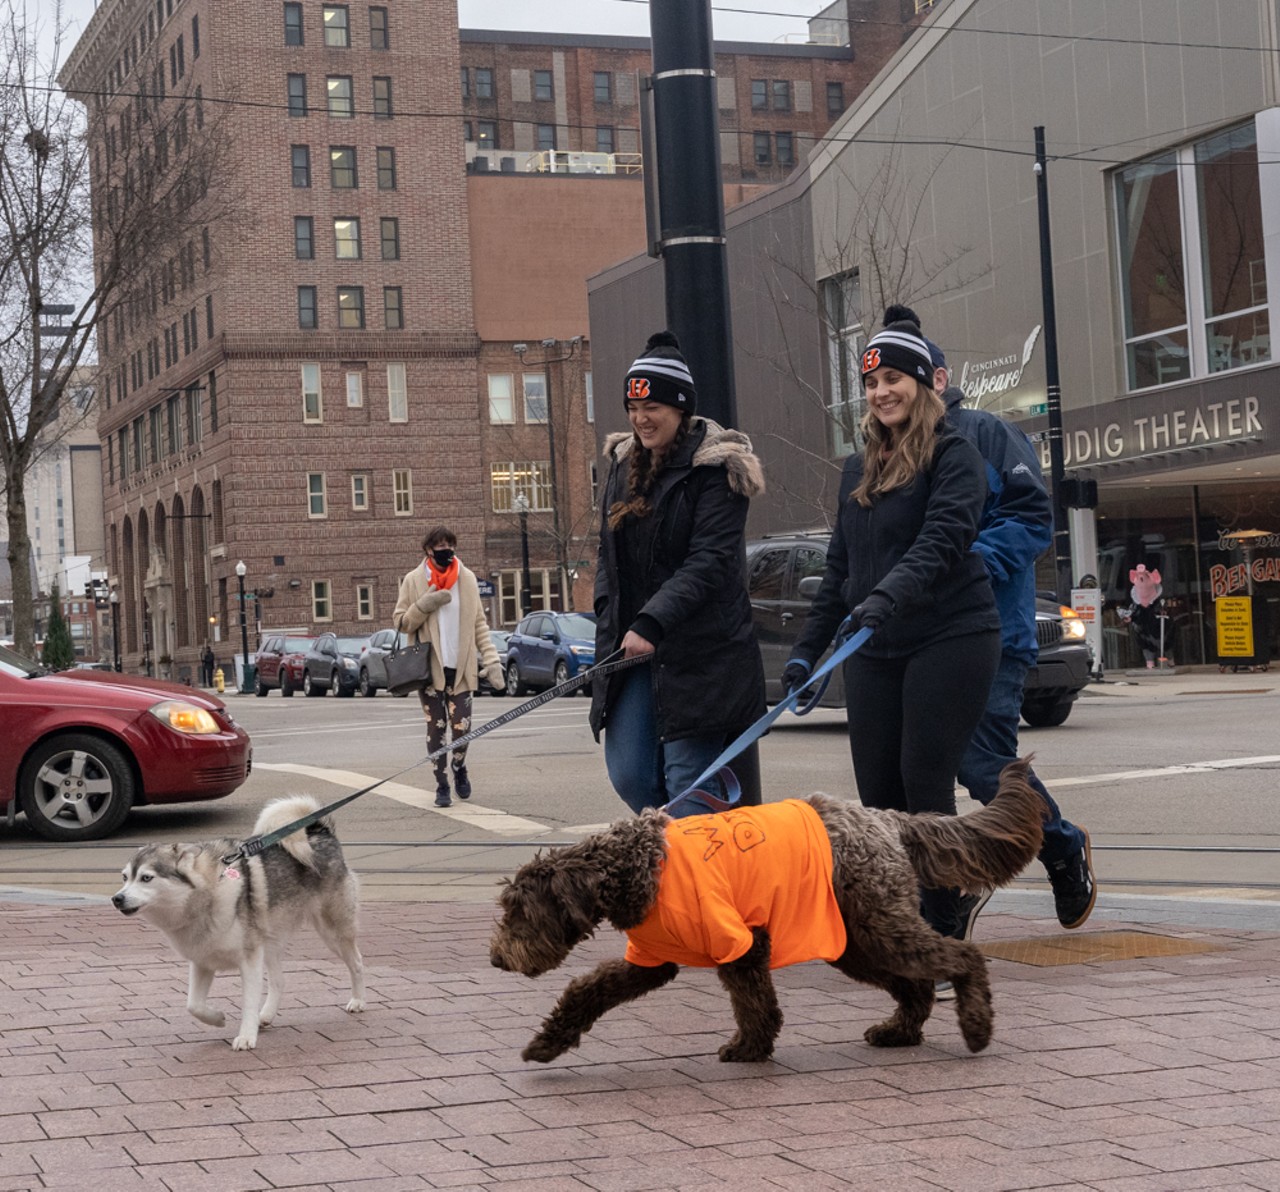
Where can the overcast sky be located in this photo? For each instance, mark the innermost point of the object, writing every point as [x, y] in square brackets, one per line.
[585, 16]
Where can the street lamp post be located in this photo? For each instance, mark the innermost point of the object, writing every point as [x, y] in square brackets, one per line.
[526, 585]
[244, 630]
[115, 628]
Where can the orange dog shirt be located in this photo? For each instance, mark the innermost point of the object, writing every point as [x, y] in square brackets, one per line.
[724, 874]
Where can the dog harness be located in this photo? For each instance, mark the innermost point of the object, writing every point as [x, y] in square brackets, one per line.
[724, 874]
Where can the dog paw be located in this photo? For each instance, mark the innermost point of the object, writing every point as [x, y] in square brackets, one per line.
[244, 1043]
[355, 1005]
[740, 1053]
[265, 1019]
[209, 1017]
[543, 1051]
[891, 1035]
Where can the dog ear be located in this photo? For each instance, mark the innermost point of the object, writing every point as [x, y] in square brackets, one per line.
[575, 891]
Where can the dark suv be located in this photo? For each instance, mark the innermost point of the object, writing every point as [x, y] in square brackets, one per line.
[278, 663]
[784, 571]
[332, 664]
[548, 648]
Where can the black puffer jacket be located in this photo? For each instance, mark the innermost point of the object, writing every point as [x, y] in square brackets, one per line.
[914, 545]
[707, 673]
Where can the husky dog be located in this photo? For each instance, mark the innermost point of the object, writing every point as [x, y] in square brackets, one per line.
[224, 917]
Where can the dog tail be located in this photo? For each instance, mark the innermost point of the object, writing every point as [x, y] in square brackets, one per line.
[280, 812]
[986, 849]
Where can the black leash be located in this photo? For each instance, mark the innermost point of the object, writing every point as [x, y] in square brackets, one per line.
[257, 844]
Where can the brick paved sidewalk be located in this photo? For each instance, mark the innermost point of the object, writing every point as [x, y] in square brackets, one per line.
[1151, 1074]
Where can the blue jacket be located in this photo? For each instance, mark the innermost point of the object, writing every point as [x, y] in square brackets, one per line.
[1017, 520]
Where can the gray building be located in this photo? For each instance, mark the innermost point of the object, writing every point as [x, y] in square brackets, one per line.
[1162, 122]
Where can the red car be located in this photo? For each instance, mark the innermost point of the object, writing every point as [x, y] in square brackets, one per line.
[280, 662]
[81, 748]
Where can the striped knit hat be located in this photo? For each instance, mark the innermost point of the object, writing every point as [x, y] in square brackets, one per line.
[900, 345]
[661, 374]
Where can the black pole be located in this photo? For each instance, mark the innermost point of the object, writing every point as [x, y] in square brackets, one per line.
[526, 590]
[691, 199]
[1061, 530]
[244, 638]
[115, 629]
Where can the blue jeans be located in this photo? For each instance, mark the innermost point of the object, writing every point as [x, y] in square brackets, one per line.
[645, 771]
[995, 744]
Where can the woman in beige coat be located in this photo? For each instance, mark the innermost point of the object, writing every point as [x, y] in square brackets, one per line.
[439, 603]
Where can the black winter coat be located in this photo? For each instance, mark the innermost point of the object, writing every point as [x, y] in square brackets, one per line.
[913, 544]
[707, 674]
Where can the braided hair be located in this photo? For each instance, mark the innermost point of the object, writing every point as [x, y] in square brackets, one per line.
[646, 467]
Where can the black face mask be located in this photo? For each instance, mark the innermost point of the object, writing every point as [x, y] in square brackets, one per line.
[442, 558]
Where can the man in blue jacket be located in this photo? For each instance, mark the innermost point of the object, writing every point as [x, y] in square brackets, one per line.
[1016, 528]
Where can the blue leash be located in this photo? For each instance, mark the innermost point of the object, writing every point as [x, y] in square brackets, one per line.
[697, 798]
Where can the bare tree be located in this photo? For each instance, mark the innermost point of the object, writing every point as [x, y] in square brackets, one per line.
[154, 158]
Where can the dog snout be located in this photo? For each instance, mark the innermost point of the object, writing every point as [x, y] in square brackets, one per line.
[117, 900]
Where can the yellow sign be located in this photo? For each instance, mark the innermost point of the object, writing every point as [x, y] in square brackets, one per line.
[1235, 626]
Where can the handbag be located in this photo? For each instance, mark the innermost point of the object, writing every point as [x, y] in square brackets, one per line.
[408, 669]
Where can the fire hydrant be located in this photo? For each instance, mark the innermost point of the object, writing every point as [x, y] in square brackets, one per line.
[219, 680]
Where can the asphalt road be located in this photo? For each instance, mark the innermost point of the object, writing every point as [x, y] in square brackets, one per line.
[1156, 772]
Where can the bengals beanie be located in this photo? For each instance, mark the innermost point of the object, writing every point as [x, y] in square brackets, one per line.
[661, 374]
[896, 314]
[900, 345]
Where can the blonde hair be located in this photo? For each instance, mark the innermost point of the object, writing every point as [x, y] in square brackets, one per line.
[892, 458]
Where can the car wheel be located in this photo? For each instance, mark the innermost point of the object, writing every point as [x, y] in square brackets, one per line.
[562, 673]
[286, 688]
[76, 787]
[1046, 713]
[309, 688]
[259, 687]
[515, 685]
[367, 687]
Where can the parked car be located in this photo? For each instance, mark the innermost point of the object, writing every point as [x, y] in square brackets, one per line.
[548, 648]
[784, 572]
[83, 747]
[278, 663]
[371, 673]
[332, 664]
[500, 638]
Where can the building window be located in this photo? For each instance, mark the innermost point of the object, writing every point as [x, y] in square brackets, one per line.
[781, 95]
[466, 130]
[338, 90]
[337, 26]
[173, 423]
[300, 164]
[487, 134]
[317, 501]
[342, 167]
[213, 410]
[208, 323]
[312, 404]
[307, 319]
[293, 25]
[392, 308]
[786, 149]
[589, 389]
[484, 82]
[397, 394]
[466, 83]
[835, 98]
[402, 492]
[759, 95]
[304, 238]
[842, 306]
[360, 492]
[542, 85]
[390, 229]
[355, 390]
[379, 34]
[535, 397]
[195, 38]
[351, 308]
[501, 398]
[297, 95]
[321, 606]
[546, 137]
[1192, 314]
[762, 148]
[382, 97]
[533, 479]
[364, 602]
[346, 239]
[604, 139]
[386, 168]
[603, 86]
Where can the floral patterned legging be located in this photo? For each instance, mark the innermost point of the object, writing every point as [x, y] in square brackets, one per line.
[446, 710]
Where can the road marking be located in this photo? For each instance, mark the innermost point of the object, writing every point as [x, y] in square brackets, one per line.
[488, 818]
[1229, 763]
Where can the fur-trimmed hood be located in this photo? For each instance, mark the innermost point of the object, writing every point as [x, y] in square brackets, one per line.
[720, 447]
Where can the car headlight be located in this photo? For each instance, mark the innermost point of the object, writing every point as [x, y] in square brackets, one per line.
[183, 717]
[1073, 629]
[349, 663]
[577, 651]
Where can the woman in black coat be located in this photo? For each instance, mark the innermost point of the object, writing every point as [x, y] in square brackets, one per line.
[900, 561]
[670, 583]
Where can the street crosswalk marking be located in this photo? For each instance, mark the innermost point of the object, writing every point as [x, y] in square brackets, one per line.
[1229, 763]
[490, 819]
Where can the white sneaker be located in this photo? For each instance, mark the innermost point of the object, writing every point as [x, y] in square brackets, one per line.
[944, 991]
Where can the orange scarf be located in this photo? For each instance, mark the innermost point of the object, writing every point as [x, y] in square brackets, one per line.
[445, 579]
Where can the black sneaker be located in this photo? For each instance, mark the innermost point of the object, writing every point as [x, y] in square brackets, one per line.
[442, 795]
[967, 911]
[1074, 887]
[462, 784]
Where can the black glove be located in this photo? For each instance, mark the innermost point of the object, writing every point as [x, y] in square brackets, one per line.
[794, 674]
[873, 612]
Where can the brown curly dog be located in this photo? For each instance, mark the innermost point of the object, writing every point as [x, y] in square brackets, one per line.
[880, 860]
